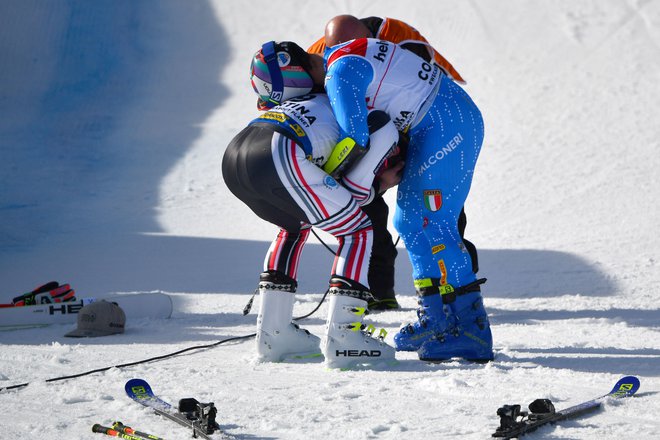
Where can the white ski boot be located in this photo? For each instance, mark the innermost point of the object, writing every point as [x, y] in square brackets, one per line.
[348, 342]
[277, 337]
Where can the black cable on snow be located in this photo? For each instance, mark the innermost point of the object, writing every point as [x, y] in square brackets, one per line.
[158, 358]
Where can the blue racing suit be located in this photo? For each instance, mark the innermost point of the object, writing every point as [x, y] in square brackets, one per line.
[446, 133]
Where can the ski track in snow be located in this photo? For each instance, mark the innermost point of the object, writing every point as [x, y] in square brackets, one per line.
[115, 116]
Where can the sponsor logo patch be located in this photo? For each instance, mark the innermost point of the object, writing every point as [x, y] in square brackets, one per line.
[330, 183]
[436, 157]
[443, 272]
[283, 59]
[438, 248]
[274, 116]
[298, 129]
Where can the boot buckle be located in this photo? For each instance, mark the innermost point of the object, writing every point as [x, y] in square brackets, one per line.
[355, 326]
[359, 311]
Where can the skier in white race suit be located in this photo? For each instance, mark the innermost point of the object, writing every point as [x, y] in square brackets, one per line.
[285, 167]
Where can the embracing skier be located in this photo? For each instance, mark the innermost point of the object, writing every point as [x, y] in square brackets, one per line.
[285, 166]
[368, 79]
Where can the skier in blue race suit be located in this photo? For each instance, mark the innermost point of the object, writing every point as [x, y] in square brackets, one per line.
[446, 133]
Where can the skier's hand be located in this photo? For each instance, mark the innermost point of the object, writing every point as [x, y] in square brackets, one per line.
[390, 177]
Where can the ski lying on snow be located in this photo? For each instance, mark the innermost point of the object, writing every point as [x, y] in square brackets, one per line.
[514, 423]
[137, 305]
[140, 391]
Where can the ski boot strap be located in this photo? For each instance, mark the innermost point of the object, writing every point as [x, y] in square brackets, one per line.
[272, 280]
[432, 286]
[369, 329]
[344, 286]
[275, 280]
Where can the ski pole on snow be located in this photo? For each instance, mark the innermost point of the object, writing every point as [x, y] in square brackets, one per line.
[113, 433]
[119, 426]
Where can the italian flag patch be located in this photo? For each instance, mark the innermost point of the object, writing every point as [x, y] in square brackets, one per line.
[433, 199]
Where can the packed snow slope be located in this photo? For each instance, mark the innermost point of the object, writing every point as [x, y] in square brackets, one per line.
[114, 116]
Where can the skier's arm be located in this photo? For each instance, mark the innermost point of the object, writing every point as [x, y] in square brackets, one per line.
[361, 179]
[346, 84]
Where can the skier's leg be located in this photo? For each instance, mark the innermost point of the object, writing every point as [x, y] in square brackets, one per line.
[348, 341]
[383, 255]
[331, 207]
[441, 161]
[250, 169]
[383, 138]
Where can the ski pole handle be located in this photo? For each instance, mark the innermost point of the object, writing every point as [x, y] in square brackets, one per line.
[113, 433]
[119, 426]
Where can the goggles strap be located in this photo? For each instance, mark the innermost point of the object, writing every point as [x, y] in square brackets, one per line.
[268, 50]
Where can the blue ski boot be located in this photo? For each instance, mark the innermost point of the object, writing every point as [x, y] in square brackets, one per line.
[431, 321]
[470, 338]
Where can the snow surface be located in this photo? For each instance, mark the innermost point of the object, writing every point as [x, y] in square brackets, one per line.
[114, 116]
